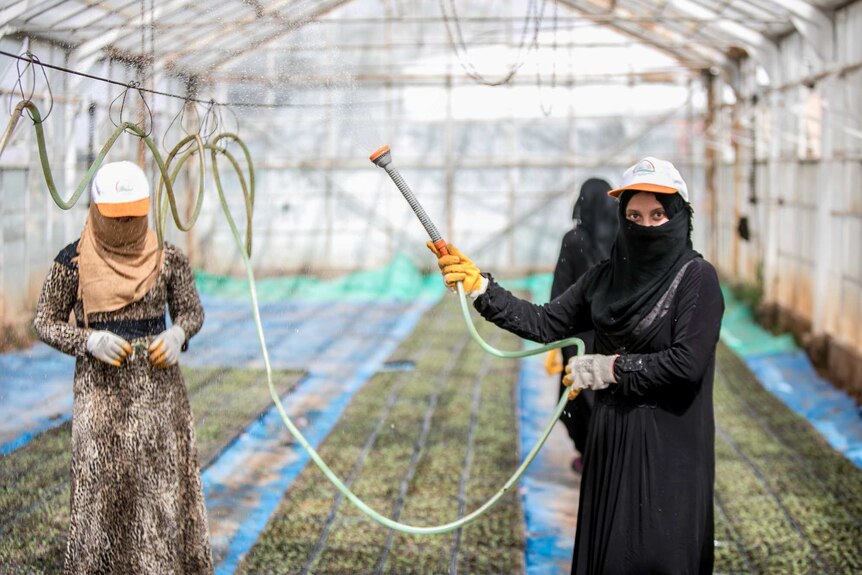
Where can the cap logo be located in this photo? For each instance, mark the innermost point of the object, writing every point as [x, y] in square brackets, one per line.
[644, 167]
[124, 186]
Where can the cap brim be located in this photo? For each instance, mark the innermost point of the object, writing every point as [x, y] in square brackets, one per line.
[655, 188]
[126, 209]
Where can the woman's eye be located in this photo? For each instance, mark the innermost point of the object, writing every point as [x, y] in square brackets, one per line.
[658, 215]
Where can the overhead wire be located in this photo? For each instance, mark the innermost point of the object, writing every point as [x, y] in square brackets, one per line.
[547, 111]
[34, 60]
[459, 46]
[99, 78]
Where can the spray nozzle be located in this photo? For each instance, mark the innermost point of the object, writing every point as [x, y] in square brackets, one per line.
[381, 157]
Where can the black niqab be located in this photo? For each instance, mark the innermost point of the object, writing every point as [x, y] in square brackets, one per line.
[644, 261]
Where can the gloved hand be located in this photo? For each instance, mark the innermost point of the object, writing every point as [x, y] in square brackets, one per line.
[591, 371]
[165, 349]
[108, 347]
[554, 362]
[456, 267]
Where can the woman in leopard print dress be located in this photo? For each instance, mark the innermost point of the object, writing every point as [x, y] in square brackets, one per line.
[137, 503]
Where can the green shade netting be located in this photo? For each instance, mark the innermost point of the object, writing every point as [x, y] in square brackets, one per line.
[741, 332]
[401, 279]
[539, 286]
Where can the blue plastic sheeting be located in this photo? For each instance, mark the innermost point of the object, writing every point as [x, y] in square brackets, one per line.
[790, 377]
[548, 488]
[787, 373]
[340, 345]
[296, 332]
[35, 393]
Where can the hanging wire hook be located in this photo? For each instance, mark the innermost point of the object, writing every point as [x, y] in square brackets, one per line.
[235, 123]
[132, 85]
[220, 115]
[31, 61]
[207, 125]
[235, 117]
[181, 116]
[20, 85]
[210, 122]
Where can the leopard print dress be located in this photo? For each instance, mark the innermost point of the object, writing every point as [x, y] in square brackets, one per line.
[137, 502]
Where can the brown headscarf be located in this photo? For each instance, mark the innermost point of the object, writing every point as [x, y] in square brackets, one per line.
[118, 261]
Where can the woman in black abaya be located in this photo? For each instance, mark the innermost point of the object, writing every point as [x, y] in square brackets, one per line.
[656, 307]
[587, 244]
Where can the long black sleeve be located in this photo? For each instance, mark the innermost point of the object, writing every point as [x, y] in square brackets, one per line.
[564, 316]
[697, 323]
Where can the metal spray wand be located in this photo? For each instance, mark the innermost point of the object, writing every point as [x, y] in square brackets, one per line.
[383, 159]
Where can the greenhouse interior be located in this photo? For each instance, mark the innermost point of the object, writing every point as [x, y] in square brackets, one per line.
[238, 336]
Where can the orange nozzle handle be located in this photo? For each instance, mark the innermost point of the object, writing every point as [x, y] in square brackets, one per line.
[441, 247]
[380, 151]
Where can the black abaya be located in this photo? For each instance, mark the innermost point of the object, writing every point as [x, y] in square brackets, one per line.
[647, 485]
[572, 264]
[595, 217]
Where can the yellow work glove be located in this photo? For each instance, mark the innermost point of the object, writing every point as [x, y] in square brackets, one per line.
[554, 362]
[456, 267]
[591, 371]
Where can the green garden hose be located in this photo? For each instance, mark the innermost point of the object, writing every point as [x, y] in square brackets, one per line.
[167, 180]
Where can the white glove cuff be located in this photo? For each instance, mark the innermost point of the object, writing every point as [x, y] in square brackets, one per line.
[181, 332]
[483, 286]
[606, 368]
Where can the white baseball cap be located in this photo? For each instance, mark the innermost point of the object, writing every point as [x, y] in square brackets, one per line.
[653, 175]
[121, 189]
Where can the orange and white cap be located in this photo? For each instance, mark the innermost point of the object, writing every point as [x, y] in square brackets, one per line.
[653, 175]
[121, 189]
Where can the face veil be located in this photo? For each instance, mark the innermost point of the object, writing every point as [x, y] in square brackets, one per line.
[118, 261]
[644, 262]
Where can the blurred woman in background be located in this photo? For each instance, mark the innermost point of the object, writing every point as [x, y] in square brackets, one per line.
[585, 245]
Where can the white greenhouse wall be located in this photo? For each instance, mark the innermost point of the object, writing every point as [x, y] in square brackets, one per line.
[791, 163]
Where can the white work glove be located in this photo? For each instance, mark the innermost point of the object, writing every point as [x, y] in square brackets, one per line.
[589, 372]
[165, 349]
[108, 347]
